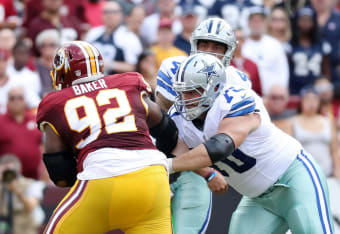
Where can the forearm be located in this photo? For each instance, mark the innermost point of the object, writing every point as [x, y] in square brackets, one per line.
[203, 171]
[194, 159]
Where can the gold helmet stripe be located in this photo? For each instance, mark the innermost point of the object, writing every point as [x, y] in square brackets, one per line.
[92, 57]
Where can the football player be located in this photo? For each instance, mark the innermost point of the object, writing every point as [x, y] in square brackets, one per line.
[97, 141]
[191, 203]
[213, 36]
[229, 127]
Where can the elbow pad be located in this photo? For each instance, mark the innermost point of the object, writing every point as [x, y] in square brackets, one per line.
[219, 146]
[61, 167]
[166, 134]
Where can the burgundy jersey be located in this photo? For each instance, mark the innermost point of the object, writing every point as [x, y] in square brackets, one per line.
[108, 112]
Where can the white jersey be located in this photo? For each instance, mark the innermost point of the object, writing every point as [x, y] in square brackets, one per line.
[264, 155]
[167, 71]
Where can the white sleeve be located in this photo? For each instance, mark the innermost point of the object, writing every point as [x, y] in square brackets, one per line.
[148, 29]
[129, 43]
[132, 52]
[236, 101]
[166, 75]
[282, 68]
[36, 190]
[32, 98]
[37, 82]
[94, 33]
[237, 77]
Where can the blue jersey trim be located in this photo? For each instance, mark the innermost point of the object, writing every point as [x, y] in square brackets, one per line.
[160, 83]
[207, 218]
[242, 103]
[165, 77]
[243, 111]
[173, 112]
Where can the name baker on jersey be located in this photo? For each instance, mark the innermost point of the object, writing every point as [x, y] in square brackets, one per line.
[88, 87]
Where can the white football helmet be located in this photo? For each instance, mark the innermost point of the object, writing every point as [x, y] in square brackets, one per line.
[201, 73]
[215, 29]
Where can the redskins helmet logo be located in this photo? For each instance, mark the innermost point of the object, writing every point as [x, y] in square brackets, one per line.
[59, 59]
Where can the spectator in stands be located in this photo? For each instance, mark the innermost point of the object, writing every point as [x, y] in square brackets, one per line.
[328, 20]
[235, 12]
[165, 46]
[266, 51]
[19, 134]
[47, 42]
[279, 26]
[316, 132]
[8, 14]
[8, 39]
[276, 102]
[325, 89]
[147, 67]
[105, 39]
[308, 56]
[51, 17]
[199, 7]
[5, 82]
[20, 72]
[245, 64]
[189, 20]
[128, 34]
[149, 28]
[20, 210]
[270, 4]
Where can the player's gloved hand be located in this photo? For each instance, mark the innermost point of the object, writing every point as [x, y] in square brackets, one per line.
[216, 182]
[169, 166]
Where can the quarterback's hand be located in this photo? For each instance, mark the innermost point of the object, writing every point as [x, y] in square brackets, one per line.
[218, 184]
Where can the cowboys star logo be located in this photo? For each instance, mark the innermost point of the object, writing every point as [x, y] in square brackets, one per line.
[208, 70]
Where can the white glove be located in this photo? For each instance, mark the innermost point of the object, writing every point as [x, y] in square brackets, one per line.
[169, 166]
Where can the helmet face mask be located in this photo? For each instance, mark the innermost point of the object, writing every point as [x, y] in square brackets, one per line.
[199, 81]
[217, 30]
[74, 63]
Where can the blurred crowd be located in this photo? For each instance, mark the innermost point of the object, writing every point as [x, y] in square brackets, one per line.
[289, 49]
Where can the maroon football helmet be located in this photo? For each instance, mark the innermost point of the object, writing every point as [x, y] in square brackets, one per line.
[76, 62]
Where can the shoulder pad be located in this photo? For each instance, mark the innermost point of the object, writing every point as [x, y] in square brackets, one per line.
[237, 77]
[128, 79]
[166, 75]
[240, 100]
[45, 113]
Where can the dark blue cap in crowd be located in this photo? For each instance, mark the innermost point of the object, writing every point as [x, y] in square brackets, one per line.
[308, 89]
[189, 9]
[305, 11]
[257, 10]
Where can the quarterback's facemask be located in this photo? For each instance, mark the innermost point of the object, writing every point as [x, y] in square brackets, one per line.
[76, 62]
[218, 30]
[198, 82]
